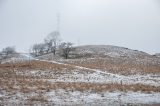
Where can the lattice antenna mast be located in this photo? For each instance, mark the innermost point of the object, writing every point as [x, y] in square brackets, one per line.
[58, 22]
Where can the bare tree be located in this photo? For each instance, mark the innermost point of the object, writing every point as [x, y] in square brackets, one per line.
[48, 45]
[1, 57]
[38, 49]
[52, 41]
[41, 48]
[34, 50]
[8, 51]
[66, 48]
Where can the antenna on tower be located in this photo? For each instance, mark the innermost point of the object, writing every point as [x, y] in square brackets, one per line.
[58, 22]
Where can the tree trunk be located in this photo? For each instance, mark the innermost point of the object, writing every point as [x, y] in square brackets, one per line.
[66, 56]
[54, 52]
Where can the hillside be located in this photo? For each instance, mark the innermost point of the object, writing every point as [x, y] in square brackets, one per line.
[93, 75]
[51, 83]
[112, 59]
[16, 57]
[157, 55]
[112, 51]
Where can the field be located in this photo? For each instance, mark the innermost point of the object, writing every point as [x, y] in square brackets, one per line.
[42, 82]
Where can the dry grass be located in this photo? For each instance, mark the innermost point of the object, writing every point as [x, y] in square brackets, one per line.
[10, 81]
[28, 85]
[120, 65]
[39, 98]
[104, 87]
[42, 65]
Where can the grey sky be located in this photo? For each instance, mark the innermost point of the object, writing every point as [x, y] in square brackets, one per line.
[129, 23]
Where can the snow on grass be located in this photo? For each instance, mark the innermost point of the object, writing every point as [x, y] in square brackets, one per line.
[113, 51]
[83, 74]
[61, 97]
[106, 78]
[65, 96]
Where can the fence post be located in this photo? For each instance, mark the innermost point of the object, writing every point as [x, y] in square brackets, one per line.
[121, 82]
[29, 61]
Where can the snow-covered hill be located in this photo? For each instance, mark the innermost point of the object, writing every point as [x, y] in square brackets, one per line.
[16, 58]
[94, 75]
[157, 55]
[109, 50]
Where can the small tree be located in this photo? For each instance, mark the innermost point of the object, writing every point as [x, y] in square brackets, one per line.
[41, 48]
[48, 45]
[34, 50]
[66, 48]
[52, 41]
[8, 51]
[1, 57]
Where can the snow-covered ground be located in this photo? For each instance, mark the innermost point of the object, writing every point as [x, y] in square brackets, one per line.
[113, 51]
[17, 58]
[80, 74]
[102, 99]
[62, 97]
[98, 76]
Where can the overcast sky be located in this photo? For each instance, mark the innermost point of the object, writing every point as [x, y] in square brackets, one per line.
[129, 23]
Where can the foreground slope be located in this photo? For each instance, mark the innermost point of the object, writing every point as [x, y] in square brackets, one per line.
[49, 82]
[94, 75]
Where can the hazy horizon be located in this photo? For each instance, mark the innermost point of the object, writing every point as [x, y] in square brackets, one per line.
[134, 24]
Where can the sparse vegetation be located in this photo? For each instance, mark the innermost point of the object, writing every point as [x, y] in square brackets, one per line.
[11, 80]
[85, 73]
[52, 41]
[120, 65]
[7, 52]
[66, 48]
